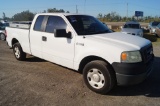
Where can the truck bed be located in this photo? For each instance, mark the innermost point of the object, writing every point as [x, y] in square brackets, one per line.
[20, 34]
[23, 25]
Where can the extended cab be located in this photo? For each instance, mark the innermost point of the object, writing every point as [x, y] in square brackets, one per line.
[83, 43]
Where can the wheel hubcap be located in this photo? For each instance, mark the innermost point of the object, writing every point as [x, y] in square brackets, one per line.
[96, 78]
[17, 52]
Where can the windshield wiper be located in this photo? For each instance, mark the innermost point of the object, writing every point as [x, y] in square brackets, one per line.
[105, 31]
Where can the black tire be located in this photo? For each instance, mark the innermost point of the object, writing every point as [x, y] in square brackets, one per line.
[18, 52]
[99, 76]
[2, 36]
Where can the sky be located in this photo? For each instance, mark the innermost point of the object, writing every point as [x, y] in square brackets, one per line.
[91, 7]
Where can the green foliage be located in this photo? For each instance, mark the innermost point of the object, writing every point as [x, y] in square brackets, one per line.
[114, 17]
[111, 17]
[28, 16]
[4, 17]
[149, 19]
[23, 16]
[54, 10]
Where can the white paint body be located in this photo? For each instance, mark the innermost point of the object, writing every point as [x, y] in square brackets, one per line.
[70, 52]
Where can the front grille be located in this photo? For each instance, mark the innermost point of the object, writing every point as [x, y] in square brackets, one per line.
[147, 53]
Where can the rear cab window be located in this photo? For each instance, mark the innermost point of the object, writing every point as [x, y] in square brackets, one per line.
[38, 23]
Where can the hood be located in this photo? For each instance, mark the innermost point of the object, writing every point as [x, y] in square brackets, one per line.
[131, 30]
[120, 40]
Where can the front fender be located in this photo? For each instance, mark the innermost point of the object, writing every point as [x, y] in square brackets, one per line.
[107, 56]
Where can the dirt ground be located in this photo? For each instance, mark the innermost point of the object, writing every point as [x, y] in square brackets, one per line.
[36, 82]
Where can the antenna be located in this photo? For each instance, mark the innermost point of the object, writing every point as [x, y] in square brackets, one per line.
[85, 6]
[76, 9]
[127, 10]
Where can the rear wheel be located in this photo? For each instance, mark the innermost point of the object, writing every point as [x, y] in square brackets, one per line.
[18, 52]
[99, 77]
[2, 37]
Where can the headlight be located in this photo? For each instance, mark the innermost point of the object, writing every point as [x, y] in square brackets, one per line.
[131, 57]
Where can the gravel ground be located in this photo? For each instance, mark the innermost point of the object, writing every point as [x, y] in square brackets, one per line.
[36, 82]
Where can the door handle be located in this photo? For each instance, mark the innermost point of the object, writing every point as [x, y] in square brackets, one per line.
[44, 38]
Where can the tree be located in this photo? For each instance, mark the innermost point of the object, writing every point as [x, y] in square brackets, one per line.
[114, 17]
[100, 17]
[4, 16]
[23, 16]
[54, 10]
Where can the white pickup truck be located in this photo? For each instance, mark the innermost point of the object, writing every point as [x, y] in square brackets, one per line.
[83, 43]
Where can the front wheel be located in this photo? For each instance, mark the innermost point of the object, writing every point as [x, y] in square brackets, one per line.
[99, 77]
[18, 52]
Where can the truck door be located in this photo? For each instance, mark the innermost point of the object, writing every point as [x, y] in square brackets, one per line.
[36, 36]
[57, 50]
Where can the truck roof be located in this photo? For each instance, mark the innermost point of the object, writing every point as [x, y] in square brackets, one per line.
[65, 14]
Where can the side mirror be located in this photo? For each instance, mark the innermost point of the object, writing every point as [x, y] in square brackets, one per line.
[61, 33]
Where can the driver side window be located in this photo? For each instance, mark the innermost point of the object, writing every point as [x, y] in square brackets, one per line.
[55, 22]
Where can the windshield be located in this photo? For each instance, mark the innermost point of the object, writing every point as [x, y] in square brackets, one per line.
[134, 26]
[87, 25]
[155, 23]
